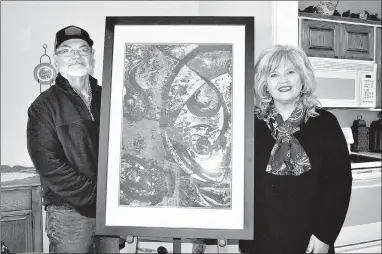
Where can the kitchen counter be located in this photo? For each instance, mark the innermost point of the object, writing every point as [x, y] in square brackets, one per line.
[366, 161]
[369, 154]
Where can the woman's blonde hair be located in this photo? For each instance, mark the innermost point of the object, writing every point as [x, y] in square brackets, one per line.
[268, 61]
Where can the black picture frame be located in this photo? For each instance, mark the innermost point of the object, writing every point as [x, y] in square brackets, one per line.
[246, 232]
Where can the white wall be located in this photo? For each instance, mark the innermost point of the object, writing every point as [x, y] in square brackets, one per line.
[26, 26]
[353, 6]
[285, 26]
[261, 10]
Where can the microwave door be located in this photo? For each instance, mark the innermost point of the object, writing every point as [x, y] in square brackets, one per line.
[338, 89]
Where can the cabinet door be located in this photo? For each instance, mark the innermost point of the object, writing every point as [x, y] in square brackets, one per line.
[320, 38]
[16, 231]
[378, 61]
[21, 218]
[358, 42]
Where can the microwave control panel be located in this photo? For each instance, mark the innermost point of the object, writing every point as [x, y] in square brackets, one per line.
[368, 93]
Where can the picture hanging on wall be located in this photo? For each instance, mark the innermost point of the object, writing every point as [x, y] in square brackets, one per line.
[176, 134]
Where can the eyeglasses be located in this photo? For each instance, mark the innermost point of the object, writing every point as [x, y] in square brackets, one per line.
[71, 52]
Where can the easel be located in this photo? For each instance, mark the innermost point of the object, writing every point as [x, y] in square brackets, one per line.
[222, 246]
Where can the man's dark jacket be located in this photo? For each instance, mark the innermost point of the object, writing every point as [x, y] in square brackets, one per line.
[62, 142]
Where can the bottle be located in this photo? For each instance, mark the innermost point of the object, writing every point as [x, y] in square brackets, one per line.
[375, 136]
[361, 135]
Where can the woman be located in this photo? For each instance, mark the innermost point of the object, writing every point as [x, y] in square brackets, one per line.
[302, 165]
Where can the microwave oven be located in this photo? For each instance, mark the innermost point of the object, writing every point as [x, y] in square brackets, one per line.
[343, 83]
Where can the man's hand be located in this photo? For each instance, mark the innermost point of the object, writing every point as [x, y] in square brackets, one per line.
[316, 246]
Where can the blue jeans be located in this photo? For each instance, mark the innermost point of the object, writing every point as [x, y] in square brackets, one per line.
[70, 232]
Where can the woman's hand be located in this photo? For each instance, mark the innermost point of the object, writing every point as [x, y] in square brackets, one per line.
[316, 246]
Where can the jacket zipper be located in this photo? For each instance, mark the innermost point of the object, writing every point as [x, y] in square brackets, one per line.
[84, 104]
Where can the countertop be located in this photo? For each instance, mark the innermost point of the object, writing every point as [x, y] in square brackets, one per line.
[18, 176]
[369, 154]
[368, 166]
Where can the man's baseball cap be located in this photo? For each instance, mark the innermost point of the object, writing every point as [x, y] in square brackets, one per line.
[72, 32]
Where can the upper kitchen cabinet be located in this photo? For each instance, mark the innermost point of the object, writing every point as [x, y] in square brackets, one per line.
[336, 37]
[320, 38]
[357, 42]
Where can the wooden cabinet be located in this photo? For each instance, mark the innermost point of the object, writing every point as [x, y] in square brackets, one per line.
[378, 61]
[337, 40]
[357, 42]
[21, 216]
[320, 38]
[18, 227]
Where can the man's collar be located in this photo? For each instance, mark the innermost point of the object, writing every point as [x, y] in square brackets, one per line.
[64, 84]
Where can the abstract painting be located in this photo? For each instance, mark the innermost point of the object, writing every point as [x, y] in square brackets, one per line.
[176, 143]
[176, 150]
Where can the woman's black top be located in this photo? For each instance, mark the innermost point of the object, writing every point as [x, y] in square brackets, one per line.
[289, 209]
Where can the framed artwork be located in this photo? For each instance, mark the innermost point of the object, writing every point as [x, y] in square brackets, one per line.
[176, 133]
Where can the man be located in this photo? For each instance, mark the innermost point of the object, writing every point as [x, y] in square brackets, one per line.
[62, 140]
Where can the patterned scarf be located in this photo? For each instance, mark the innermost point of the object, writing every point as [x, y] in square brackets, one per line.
[287, 155]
